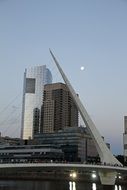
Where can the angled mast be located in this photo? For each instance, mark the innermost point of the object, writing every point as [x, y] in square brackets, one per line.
[105, 154]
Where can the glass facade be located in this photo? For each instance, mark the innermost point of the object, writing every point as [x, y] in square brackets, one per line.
[75, 142]
[30, 153]
[125, 140]
[34, 80]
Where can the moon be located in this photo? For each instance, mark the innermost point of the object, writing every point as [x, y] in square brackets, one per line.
[82, 68]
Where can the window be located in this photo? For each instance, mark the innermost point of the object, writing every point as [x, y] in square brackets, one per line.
[30, 85]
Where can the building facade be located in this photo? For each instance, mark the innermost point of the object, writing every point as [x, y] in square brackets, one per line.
[34, 80]
[58, 110]
[75, 142]
[30, 153]
[125, 139]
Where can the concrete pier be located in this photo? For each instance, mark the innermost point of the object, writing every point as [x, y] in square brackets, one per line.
[107, 178]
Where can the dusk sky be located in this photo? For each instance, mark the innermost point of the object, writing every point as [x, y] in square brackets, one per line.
[89, 33]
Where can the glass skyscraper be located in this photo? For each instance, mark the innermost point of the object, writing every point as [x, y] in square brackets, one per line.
[34, 80]
[125, 140]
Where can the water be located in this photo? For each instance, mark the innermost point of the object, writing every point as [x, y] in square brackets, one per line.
[52, 185]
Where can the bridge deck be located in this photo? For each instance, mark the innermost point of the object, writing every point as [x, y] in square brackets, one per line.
[64, 165]
[59, 171]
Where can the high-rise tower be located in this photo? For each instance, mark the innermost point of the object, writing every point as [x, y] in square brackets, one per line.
[34, 80]
[59, 110]
[125, 139]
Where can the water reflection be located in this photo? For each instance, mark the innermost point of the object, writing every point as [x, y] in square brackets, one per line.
[94, 187]
[52, 185]
[118, 187]
[72, 185]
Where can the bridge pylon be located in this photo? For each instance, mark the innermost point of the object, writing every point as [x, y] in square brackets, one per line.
[105, 154]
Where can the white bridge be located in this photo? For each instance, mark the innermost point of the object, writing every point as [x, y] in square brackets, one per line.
[62, 171]
[105, 154]
[72, 166]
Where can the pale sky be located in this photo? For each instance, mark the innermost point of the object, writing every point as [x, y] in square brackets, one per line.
[89, 33]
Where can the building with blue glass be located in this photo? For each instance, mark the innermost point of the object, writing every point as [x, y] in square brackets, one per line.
[34, 80]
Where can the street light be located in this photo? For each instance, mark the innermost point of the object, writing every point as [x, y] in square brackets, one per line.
[73, 175]
[94, 175]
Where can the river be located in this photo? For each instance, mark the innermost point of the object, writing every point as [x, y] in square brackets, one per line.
[51, 185]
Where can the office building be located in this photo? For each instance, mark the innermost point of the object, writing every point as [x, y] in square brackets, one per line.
[59, 110]
[30, 153]
[34, 80]
[75, 142]
[125, 139]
